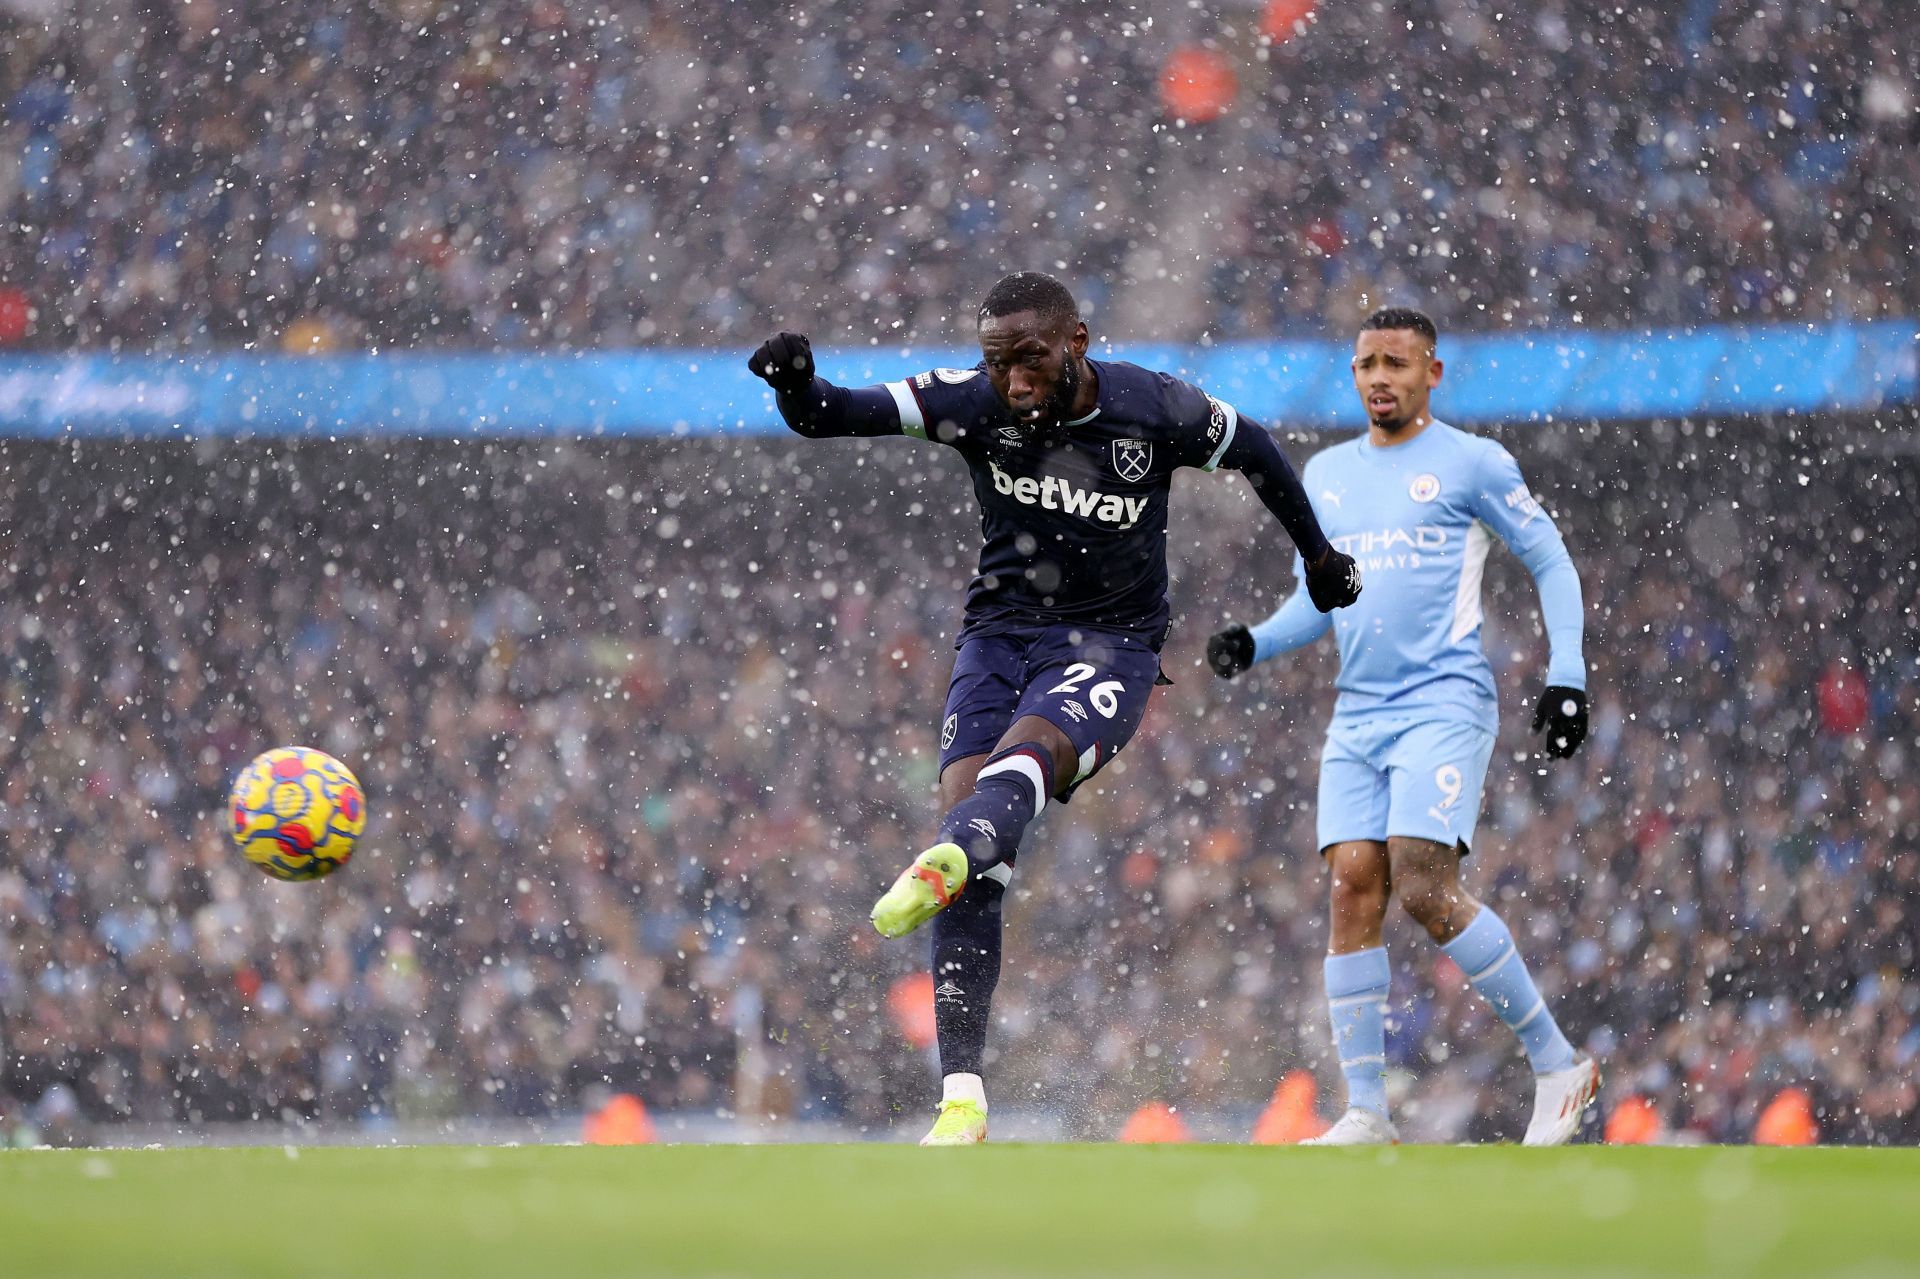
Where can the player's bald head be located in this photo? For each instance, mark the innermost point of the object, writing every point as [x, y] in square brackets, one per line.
[1049, 300]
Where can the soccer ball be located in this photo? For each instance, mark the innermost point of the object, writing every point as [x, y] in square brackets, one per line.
[297, 813]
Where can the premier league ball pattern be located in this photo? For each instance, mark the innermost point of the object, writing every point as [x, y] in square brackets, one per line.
[297, 813]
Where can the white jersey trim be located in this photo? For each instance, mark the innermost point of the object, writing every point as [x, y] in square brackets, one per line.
[1473, 568]
[912, 421]
[1226, 436]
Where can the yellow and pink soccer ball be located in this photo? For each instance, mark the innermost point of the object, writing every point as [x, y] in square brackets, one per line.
[297, 813]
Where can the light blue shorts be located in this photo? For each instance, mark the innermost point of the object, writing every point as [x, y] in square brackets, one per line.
[1420, 778]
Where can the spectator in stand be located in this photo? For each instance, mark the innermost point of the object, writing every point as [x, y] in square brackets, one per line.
[525, 652]
[348, 174]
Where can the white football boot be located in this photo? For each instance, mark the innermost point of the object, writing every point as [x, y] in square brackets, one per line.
[1358, 1127]
[1560, 1098]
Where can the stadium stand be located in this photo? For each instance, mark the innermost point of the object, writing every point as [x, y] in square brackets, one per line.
[521, 173]
[645, 722]
[643, 726]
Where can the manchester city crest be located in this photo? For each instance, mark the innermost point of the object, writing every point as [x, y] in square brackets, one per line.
[1132, 459]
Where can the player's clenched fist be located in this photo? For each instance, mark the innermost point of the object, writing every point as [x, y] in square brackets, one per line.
[1230, 651]
[784, 362]
[1561, 713]
[1333, 581]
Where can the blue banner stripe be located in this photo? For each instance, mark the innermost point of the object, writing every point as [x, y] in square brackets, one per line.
[1490, 380]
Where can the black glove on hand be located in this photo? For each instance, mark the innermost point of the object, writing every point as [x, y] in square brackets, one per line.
[784, 362]
[1230, 651]
[1562, 712]
[1333, 581]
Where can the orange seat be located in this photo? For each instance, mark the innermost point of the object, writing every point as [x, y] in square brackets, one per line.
[1153, 1123]
[1290, 1118]
[1788, 1121]
[1635, 1121]
[623, 1121]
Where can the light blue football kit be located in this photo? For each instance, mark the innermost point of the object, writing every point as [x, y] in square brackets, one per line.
[1414, 726]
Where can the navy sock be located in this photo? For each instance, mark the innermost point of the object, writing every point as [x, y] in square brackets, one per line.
[1012, 789]
[966, 968]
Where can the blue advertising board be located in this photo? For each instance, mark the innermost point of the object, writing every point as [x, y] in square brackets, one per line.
[1490, 380]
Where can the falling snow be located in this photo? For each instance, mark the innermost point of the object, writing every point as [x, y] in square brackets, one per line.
[645, 724]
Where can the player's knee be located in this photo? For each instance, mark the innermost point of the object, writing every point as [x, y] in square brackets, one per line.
[1425, 894]
[1358, 892]
[1358, 895]
[1426, 879]
[1048, 735]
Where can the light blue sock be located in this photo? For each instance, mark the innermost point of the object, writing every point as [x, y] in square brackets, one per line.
[1357, 1003]
[1486, 954]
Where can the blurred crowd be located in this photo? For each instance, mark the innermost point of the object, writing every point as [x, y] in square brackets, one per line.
[646, 725]
[346, 174]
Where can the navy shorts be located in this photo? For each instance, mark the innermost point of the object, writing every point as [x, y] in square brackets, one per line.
[1092, 684]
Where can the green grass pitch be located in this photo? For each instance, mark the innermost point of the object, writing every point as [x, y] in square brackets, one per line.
[1007, 1210]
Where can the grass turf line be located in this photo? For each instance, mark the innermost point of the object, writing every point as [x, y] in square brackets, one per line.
[858, 1210]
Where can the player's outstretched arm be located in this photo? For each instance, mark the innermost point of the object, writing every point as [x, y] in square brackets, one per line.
[1332, 578]
[812, 406]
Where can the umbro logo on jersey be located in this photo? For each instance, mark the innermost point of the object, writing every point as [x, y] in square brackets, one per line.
[947, 990]
[1132, 459]
[1055, 494]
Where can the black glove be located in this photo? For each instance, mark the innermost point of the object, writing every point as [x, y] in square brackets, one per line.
[1333, 581]
[1562, 712]
[784, 362]
[1230, 651]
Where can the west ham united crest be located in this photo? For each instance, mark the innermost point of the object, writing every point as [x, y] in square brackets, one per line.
[1132, 459]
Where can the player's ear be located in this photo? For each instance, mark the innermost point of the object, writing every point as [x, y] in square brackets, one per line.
[1434, 369]
[1080, 339]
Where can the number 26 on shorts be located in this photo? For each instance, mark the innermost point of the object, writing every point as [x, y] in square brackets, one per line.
[1104, 696]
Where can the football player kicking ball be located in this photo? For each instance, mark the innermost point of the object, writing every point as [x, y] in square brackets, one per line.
[1072, 460]
[1416, 501]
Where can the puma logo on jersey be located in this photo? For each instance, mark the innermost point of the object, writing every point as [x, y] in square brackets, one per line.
[1052, 493]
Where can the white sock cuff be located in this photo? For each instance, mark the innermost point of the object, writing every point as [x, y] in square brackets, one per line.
[964, 1087]
[1026, 767]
